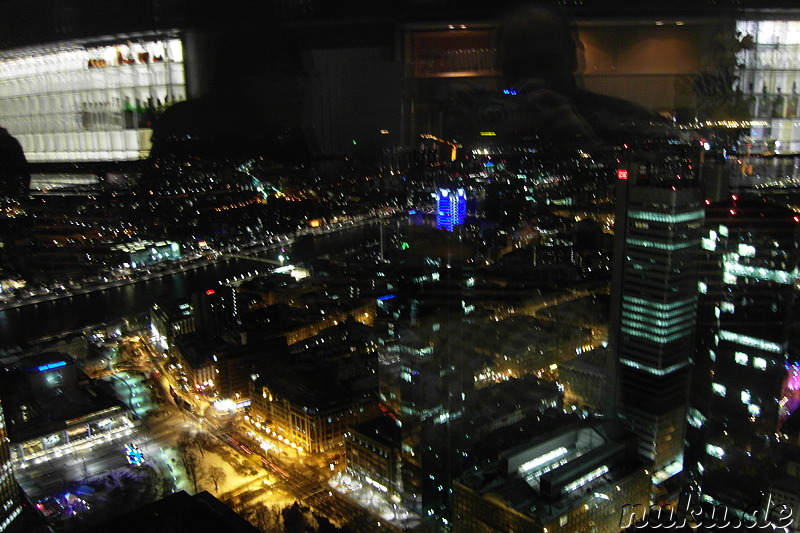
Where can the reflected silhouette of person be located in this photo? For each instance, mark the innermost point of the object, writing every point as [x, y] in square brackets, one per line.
[255, 105]
[211, 155]
[15, 178]
[539, 54]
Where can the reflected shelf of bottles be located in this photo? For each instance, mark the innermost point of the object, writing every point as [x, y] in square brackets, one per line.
[460, 62]
[90, 103]
[770, 77]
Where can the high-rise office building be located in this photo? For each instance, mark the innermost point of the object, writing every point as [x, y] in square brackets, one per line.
[743, 379]
[10, 497]
[658, 223]
[213, 311]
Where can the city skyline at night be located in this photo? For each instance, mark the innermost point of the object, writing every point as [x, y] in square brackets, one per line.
[417, 266]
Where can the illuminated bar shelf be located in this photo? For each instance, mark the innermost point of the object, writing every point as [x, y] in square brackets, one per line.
[770, 81]
[89, 103]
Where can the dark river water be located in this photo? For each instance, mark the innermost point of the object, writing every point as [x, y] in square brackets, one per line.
[26, 324]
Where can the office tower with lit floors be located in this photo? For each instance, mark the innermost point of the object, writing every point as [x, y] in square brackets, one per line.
[10, 497]
[743, 383]
[654, 300]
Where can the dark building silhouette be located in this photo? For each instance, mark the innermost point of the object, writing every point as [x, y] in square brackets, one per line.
[15, 178]
[179, 513]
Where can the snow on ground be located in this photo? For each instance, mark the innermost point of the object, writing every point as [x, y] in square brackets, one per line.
[232, 479]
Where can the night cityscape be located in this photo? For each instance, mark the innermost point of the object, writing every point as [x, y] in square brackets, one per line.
[426, 265]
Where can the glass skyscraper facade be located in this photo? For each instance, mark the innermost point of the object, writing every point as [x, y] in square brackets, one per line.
[10, 498]
[654, 303]
[743, 379]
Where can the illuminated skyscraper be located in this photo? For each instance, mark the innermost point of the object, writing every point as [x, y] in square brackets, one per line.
[10, 498]
[654, 302]
[451, 208]
[744, 385]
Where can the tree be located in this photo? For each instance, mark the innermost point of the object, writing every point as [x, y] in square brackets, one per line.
[216, 475]
[191, 465]
[299, 519]
[267, 518]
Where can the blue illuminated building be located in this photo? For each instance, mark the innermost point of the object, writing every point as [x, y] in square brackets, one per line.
[50, 366]
[451, 208]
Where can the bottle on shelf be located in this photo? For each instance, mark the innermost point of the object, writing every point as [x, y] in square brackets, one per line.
[140, 114]
[128, 115]
[85, 117]
[765, 109]
[158, 52]
[791, 103]
[149, 114]
[752, 101]
[116, 114]
[105, 116]
[144, 55]
[777, 104]
[129, 59]
[94, 116]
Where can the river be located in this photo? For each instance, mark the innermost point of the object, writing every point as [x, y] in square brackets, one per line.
[23, 325]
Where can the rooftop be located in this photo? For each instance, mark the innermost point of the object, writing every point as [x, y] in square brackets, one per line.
[383, 430]
[308, 387]
[195, 352]
[42, 393]
[559, 471]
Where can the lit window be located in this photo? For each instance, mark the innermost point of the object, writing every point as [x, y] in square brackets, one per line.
[740, 358]
[715, 451]
[669, 218]
[751, 342]
[760, 363]
[696, 418]
[746, 250]
[745, 396]
[708, 244]
[719, 389]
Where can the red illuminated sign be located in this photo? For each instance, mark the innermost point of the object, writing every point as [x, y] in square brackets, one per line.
[622, 174]
[209, 292]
